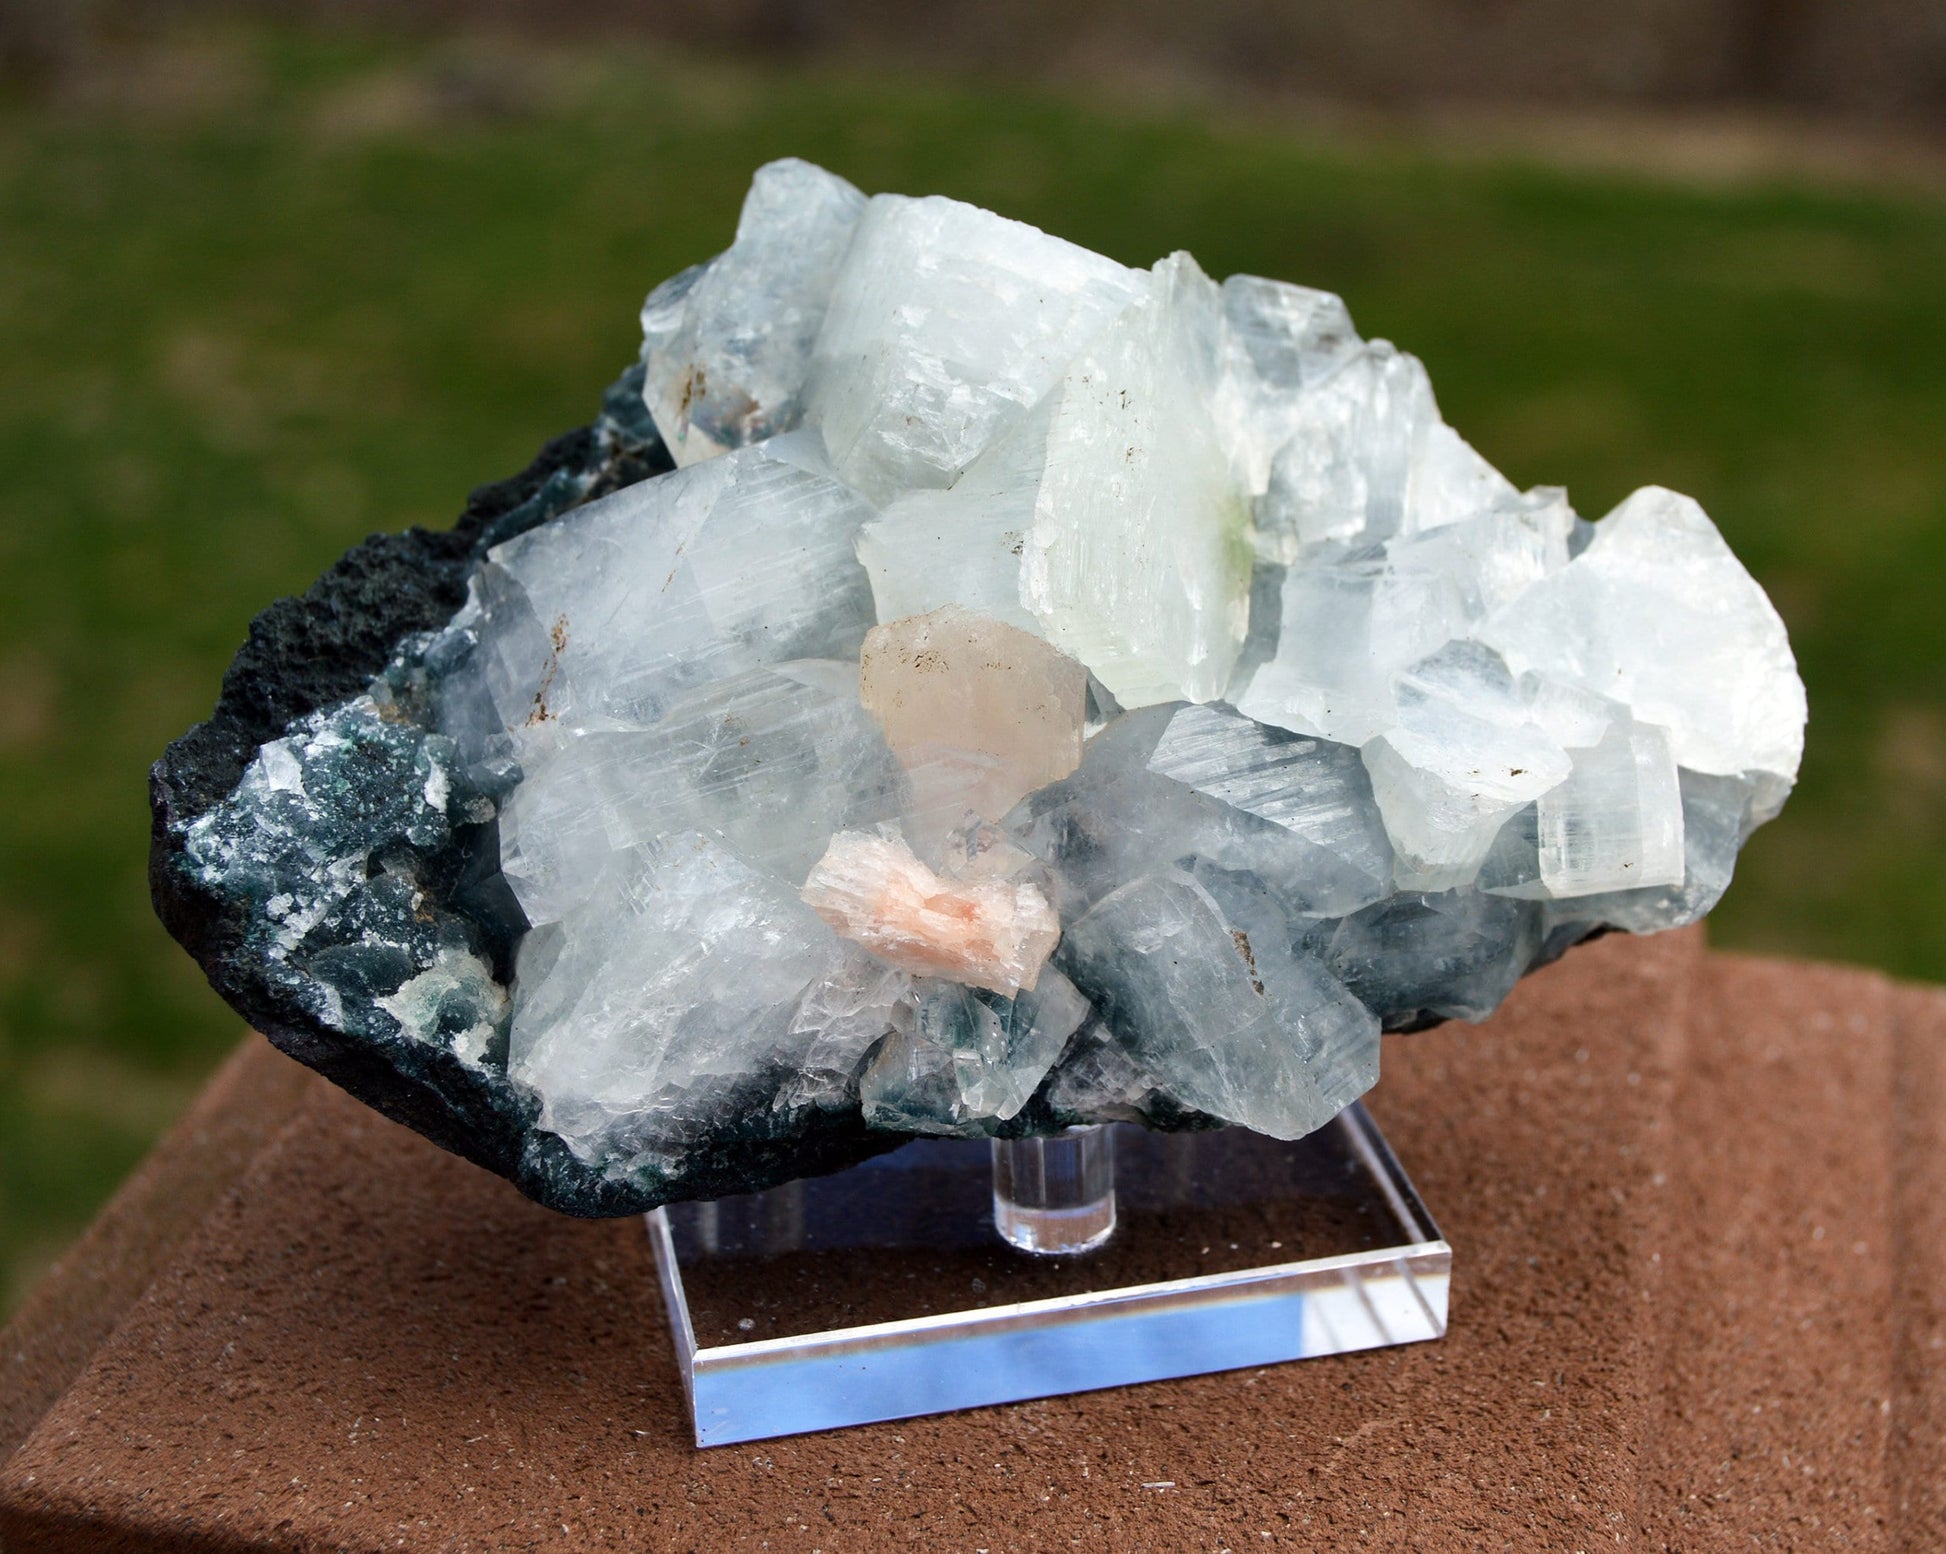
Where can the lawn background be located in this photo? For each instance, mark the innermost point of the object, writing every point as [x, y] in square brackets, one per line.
[263, 291]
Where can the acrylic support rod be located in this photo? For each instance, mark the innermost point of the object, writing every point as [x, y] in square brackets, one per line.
[1055, 1195]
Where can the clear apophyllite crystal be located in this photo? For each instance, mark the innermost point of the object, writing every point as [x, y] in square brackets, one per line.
[1120, 697]
[726, 344]
[945, 325]
[674, 584]
[1298, 814]
[1461, 755]
[1616, 822]
[1659, 615]
[672, 993]
[1350, 620]
[772, 761]
[1242, 1027]
[1109, 519]
[1279, 341]
[964, 1060]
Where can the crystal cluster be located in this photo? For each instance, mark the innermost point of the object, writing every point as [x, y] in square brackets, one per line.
[1044, 691]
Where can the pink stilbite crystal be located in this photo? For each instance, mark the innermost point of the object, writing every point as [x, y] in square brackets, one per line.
[991, 933]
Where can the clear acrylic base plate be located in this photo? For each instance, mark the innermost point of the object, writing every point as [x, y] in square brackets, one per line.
[884, 1291]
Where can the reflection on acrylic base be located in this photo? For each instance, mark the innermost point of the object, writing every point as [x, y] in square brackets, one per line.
[885, 1292]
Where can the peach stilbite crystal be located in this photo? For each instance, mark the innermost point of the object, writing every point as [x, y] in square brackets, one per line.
[990, 933]
[979, 713]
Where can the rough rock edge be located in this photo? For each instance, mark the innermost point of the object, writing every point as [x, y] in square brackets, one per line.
[316, 650]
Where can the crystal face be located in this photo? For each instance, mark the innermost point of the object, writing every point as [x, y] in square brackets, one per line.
[945, 326]
[1108, 520]
[726, 344]
[1043, 691]
[979, 713]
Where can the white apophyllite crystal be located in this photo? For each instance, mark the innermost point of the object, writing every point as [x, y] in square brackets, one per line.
[643, 1016]
[1448, 765]
[1616, 823]
[1495, 554]
[1343, 472]
[726, 345]
[772, 761]
[1449, 482]
[1279, 343]
[855, 1002]
[1368, 457]
[726, 566]
[1349, 623]
[1462, 757]
[1110, 520]
[1718, 815]
[1573, 718]
[1658, 615]
[980, 714]
[946, 323]
[930, 550]
[991, 933]
[1139, 559]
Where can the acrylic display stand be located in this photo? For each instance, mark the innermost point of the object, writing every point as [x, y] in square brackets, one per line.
[955, 1273]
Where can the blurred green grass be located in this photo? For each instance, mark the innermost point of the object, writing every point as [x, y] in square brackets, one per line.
[263, 292]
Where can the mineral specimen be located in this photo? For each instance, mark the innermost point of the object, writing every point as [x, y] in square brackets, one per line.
[961, 685]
